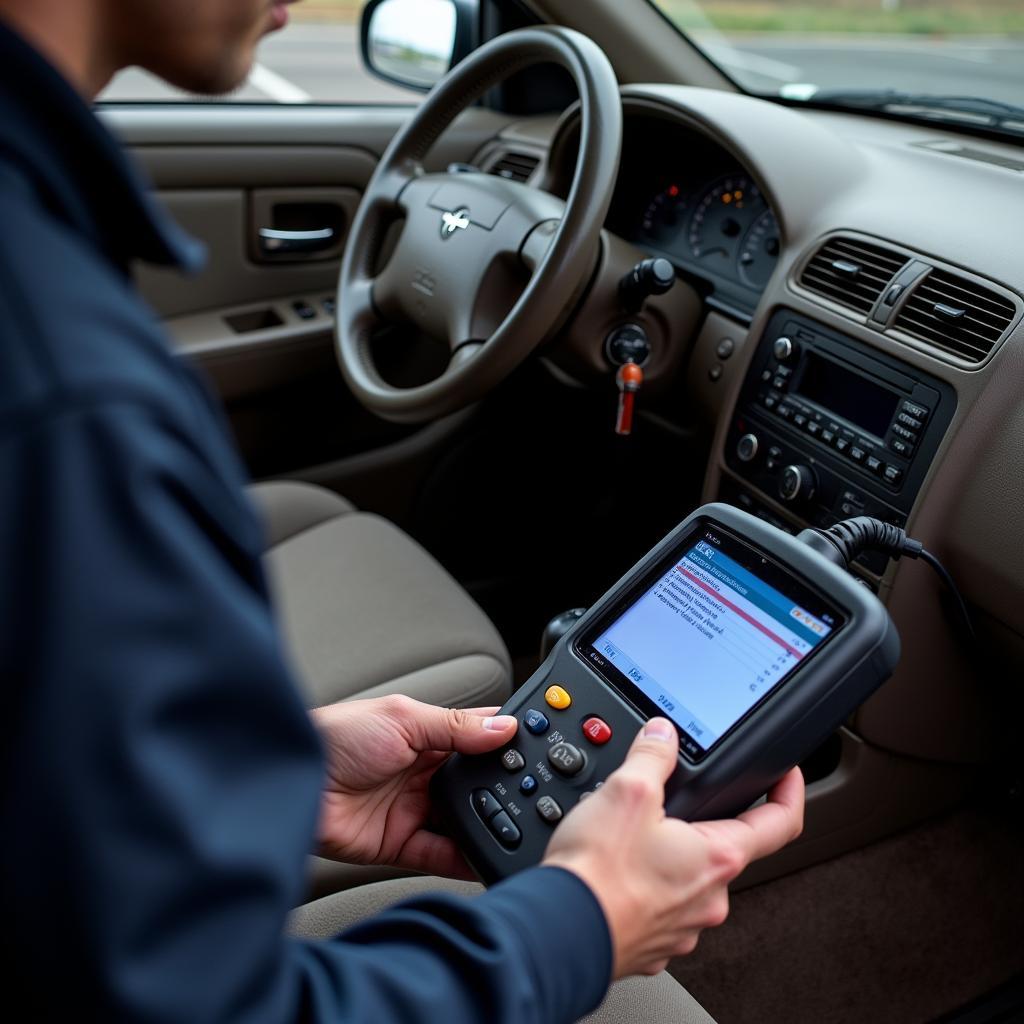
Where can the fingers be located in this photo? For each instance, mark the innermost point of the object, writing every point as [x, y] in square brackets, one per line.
[654, 753]
[469, 732]
[763, 829]
[780, 819]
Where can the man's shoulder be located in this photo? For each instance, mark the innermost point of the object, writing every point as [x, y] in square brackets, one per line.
[70, 323]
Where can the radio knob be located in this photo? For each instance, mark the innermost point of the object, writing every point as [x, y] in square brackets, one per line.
[746, 448]
[782, 348]
[797, 482]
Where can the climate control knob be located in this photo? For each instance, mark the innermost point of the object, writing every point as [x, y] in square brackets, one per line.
[797, 483]
[746, 448]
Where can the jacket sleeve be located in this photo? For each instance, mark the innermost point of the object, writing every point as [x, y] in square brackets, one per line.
[162, 777]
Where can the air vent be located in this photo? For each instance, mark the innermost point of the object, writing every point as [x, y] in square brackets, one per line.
[517, 166]
[851, 272]
[956, 316]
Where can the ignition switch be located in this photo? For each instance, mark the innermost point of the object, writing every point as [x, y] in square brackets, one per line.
[627, 344]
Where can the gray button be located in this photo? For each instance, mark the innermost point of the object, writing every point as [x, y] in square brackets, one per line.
[715, 372]
[726, 347]
[566, 759]
[548, 809]
[512, 759]
[505, 832]
[486, 803]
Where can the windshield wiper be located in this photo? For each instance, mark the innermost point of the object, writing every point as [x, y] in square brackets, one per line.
[972, 110]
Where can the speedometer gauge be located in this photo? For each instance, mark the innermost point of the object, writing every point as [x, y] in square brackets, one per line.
[724, 220]
[759, 250]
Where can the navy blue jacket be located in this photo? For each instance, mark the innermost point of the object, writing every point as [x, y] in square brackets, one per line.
[160, 776]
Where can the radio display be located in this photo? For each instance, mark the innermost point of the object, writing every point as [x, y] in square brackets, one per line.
[716, 634]
[857, 399]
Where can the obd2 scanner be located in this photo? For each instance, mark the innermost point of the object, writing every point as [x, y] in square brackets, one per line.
[756, 644]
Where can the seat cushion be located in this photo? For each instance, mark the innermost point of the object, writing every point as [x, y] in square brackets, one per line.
[657, 1000]
[366, 611]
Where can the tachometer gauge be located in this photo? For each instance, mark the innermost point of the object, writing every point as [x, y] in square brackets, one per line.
[721, 220]
[759, 251]
[664, 215]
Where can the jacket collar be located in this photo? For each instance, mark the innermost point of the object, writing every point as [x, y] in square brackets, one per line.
[77, 168]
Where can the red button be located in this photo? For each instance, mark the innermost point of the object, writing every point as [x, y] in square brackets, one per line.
[597, 731]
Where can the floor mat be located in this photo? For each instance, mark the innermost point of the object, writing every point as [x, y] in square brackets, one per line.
[903, 931]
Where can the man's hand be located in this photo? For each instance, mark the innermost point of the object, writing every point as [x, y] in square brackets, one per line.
[381, 755]
[660, 881]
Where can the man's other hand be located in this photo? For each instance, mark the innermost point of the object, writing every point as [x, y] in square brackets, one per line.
[660, 880]
[381, 755]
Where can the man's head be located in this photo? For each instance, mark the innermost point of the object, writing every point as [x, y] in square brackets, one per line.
[202, 46]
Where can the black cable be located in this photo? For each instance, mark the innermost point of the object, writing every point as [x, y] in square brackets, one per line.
[944, 575]
[846, 540]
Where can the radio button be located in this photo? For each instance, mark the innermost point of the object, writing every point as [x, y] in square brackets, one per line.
[771, 400]
[766, 375]
[786, 411]
[504, 830]
[875, 464]
[566, 759]
[779, 383]
[907, 435]
[771, 463]
[797, 482]
[915, 410]
[893, 474]
[785, 372]
[842, 444]
[828, 436]
[746, 448]
[858, 454]
[909, 421]
[903, 448]
[800, 420]
[814, 428]
[782, 348]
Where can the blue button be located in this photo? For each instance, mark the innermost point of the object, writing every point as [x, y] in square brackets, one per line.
[536, 722]
[527, 784]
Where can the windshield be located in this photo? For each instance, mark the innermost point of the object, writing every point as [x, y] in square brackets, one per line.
[887, 54]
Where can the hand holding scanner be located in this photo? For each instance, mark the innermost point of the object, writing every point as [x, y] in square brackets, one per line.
[754, 644]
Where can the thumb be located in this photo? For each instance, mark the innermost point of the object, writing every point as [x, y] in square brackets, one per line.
[654, 753]
[468, 732]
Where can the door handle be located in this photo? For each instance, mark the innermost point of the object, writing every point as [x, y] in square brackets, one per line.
[274, 242]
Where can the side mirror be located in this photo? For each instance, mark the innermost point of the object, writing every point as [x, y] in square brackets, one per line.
[413, 43]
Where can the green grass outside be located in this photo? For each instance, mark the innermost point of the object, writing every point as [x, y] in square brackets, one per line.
[917, 17]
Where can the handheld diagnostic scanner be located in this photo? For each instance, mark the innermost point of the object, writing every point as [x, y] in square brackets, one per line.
[755, 644]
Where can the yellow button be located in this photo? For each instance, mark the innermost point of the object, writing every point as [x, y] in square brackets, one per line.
[557, 697]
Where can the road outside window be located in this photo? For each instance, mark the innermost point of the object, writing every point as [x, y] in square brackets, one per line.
[315, 59]
[965, 48]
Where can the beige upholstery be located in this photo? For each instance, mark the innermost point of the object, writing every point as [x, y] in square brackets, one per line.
[366, 611]
[658, 1000]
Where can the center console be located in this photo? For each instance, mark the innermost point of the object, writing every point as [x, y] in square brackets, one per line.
[829, 428]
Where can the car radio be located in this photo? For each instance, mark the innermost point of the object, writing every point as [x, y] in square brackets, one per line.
[832, 428]
[752, 642]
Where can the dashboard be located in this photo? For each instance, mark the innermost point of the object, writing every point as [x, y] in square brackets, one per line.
[699, 207]
[789, 228]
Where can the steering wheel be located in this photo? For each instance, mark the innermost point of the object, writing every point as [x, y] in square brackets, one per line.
[467, 242]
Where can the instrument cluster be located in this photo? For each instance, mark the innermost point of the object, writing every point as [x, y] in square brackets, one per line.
[682, 196]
